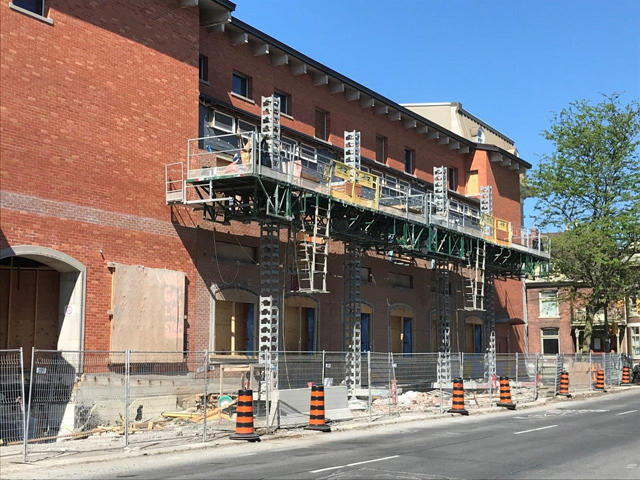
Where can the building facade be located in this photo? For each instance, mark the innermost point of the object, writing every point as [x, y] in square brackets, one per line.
[97, 99]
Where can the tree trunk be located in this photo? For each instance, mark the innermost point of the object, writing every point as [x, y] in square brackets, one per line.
[588, 331]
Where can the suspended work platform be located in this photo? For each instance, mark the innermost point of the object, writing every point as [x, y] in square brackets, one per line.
[235, 177]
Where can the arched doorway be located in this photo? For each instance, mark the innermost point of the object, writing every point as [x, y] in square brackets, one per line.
[401, 319]
[234, 321]
[42, 300]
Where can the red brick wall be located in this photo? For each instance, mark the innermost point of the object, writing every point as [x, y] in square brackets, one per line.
[536, 323]
[93, 106]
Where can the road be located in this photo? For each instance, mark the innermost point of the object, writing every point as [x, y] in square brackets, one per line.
[595, 438]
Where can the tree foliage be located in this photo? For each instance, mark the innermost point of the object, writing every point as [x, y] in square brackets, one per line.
[589, 188]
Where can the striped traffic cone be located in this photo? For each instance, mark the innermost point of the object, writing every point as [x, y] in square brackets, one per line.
[505, 394]
[626, 376]
[457, 403]
[600, 380]
[564, 385]
[244, 418]
[316, 412]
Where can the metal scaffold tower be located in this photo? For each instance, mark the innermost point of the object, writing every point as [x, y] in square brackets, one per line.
[352, 151]
[269, 289]
[440, 191]
[475, 276]
[490, 327]
[312, 246]
[352, 321]
[270, 128]
[443, 305]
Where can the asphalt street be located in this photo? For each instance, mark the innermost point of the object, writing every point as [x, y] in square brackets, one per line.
[594, 438]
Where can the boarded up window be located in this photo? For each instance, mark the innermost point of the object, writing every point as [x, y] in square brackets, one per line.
[148, 311]
[235, 252]
[400, 280]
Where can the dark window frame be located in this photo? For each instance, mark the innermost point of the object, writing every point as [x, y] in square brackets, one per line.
[385, 149]
[37, 7]
[325, 116]
[452, 178]
[412, 161]
[245, 78]
[203, 68]
[287, 101]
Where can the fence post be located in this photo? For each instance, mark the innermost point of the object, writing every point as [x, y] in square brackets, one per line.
[25, 433]
[31, 377]
[590, 372]
[267, 380]
[323, 365]
[390, 367]
[535, 380]
[517, 383]
[205, 396]
[127, 374]
[368, 380]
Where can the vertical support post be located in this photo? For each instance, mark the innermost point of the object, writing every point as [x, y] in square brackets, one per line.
[352, 150]
[205, 395]
[517, 382]
[389, 360]
[324, 356]
[267, 380]
[270, 128]
[535, 379]
[370, 402]
[444, 321]
[127, 385]
[31, 379]
[269, 315]
[352, 320]
[590, 372]
[441, 191]
[490, 329]
[25, 432]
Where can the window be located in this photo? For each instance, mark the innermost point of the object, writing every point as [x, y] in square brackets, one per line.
[634, 306]
[403, 186]
[308, 157]
[366, 275]
[285, 101]
[635, 341]
[289, 149]
[480, 135]
[473, 187]
[365, 169]
[246, 127]
[223, 122]
[33, 6]
[322, 118]
[235, 252]
[550, 341]
[381, 149]
[400, 280]
[390, 186]
[453, 178]
[408, 161]
[549, 304]
[203, 68]
[241, 85]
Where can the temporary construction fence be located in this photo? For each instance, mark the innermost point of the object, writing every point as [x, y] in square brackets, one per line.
[111, 399]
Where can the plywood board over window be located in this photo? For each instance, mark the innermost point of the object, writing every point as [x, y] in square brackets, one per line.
[148, 312]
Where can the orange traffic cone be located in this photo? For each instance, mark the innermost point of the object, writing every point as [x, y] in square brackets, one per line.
[626, 377]
[505, 394]
[316, 412]
[600, 380]
[564, 385]
[457, 403]
[244, 418]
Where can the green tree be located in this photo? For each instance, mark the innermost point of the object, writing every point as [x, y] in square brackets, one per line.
[589, 189]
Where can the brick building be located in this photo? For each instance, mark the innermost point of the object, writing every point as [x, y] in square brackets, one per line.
[97, 97]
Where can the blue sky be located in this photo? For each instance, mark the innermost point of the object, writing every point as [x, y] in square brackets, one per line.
[510, 63]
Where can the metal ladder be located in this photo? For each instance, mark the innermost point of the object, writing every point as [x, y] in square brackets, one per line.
[443, 305]
[352, 319]
[474, 278]
[269, 315]
[270, 128]
[312, 249]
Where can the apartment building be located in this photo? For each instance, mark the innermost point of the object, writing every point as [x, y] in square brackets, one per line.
[99, 103]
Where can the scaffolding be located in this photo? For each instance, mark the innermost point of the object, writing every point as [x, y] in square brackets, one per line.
[352, 318]
[443, 309]
[269, 316]
[312, 246]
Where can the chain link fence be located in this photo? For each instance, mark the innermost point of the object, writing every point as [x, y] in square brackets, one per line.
[83, 400]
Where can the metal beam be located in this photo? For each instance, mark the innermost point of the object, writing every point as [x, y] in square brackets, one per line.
[394, 116]
[381, 109]
[352, 95]
[443, 140]
[336, 87]
[239, 38]
[298, 68]
[366, 102]
[320, 79]
[259, 48]
[279, 58]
